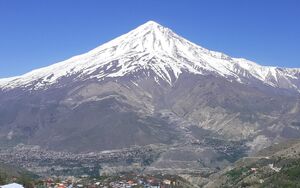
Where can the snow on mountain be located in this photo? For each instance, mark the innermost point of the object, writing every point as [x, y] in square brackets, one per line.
[152, 47]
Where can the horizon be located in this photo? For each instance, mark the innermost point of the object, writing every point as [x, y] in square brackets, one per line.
[40, 45]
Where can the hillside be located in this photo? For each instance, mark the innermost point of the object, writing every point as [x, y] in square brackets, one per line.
[275, 166]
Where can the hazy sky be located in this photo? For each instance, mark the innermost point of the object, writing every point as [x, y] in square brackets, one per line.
[36, 33]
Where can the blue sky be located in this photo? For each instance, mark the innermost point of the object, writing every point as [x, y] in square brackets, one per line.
[35, 33]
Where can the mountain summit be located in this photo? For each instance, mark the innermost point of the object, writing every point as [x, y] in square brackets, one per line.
[156, 51]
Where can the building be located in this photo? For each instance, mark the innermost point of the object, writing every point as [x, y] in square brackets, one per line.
[12, 185]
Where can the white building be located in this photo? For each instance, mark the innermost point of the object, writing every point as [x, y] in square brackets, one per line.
[12, 185]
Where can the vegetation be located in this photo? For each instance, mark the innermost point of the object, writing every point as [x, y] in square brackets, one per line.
[9, 174]
[289, 176]
[260, 174]
[237, 174]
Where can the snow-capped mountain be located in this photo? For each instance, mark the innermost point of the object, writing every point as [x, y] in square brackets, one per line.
[149, 86]
[158, 52]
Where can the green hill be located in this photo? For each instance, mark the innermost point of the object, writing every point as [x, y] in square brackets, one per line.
[275, 166]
